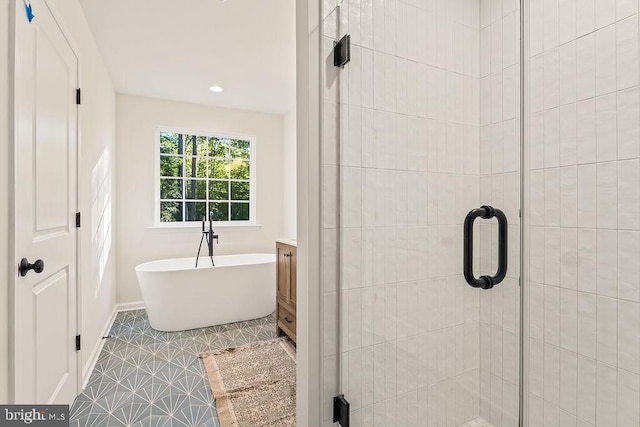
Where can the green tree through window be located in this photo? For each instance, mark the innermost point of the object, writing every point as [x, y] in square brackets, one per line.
[204, 177]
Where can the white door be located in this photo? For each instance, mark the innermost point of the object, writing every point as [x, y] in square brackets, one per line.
[45, 311]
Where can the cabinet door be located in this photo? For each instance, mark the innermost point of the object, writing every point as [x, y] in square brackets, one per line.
[284, 273]
[293, 272]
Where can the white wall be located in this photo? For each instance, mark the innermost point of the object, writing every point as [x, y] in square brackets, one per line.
[310, 370]
[4, 196]
[290, 178]
[137, 121]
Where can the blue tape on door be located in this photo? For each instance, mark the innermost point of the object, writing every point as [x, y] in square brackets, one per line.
[29, 9]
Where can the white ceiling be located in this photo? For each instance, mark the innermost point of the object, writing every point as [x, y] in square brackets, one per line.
[177, 49]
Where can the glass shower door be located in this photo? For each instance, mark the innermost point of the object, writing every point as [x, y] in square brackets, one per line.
[420, 128]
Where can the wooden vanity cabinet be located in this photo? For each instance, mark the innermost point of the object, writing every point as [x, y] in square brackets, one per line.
[286, 290]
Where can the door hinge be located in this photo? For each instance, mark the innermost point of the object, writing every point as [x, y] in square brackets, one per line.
[77, 342]
[77, 219]
[341, 410]
[342, 51]
[78, 96]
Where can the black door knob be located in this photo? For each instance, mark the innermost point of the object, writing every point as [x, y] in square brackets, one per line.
[25, 266]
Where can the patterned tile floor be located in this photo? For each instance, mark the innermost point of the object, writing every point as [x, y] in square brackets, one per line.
[148, 378]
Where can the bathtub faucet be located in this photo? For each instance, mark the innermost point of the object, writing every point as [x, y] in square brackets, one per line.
[209, 235]
[210, 238]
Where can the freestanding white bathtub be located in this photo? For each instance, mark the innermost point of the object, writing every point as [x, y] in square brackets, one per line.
[178, 296]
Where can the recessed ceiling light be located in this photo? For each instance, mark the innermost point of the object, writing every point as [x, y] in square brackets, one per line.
[216, 89]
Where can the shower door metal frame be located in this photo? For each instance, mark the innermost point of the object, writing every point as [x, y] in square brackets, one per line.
[523, 407]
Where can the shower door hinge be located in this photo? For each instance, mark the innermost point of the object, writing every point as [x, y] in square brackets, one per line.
[77, 342]
[342, 51]
[78, 96]
[77, 219]
[341, 410]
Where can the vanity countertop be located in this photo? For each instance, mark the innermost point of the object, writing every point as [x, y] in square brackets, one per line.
[290, 242]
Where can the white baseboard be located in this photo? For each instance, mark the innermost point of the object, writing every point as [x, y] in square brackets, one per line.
[127, 306]
[97, 348]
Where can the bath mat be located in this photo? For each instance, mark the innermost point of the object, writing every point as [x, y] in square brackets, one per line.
[255, 384]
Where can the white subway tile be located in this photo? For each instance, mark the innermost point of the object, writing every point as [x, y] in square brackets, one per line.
[537, 187]
[606, 132]
[510, 86]
[551, 415]
[496, 10]
[628, 410]
[569, 196]
[587, 324]
[629, 195]
[354, 319]
[567, 419]
[586, 121]
[587, 260]
[569, 320]
[536, 83]
[585, 17]
[607, 331]
[552, 315]
[607, 262]
[551, 138]
[586, 408]
[628, 350]
[552, 197]
[496, 96]
[605, 58]
[536, 150]
[550, 24]
[536, 308]
[628, 124]
[496, 46]
[607, 204]
[606, 409]
[536, 367]
[605, 12]
[628, 62]
[567, 71]
[626, 8]
[569, 258]
[551, 78]
[587, 195]
[568, 134]
[567, 20]
[351, 197]
[510, 37]
[629, 265]
[537, 255]
[568, 381]
[536, 410]
[536, 22]
[586, 60]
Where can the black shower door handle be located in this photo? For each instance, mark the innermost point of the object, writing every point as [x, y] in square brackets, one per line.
[485, 282]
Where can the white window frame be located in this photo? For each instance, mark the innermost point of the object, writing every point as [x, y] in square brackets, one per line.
[250, 224]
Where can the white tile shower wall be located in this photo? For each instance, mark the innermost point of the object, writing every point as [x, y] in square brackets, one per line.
[402, 165]
[585, 213]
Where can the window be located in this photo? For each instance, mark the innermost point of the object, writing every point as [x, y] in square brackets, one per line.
[204, 176]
